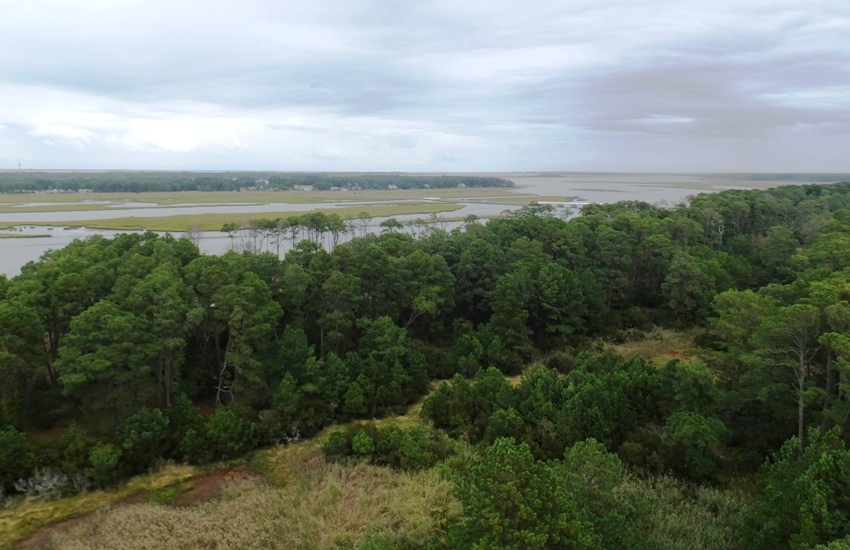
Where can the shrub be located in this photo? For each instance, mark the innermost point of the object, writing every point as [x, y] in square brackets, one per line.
[15, 456]
[105, 460]
[414, 449]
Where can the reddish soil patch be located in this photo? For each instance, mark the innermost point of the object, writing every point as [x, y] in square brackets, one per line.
[207, 487]
[204, 489]
[41, 537]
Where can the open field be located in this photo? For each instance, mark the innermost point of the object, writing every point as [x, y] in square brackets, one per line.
[660, 346]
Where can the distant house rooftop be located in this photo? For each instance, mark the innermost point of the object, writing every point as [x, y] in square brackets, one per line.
[578, 203]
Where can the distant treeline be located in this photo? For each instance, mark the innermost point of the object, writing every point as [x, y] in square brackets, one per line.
[141, 182]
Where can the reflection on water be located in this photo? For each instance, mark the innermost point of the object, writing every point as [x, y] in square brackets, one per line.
[16, 252]
[595, 187]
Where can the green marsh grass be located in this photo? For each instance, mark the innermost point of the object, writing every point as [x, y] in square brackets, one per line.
[214, 222]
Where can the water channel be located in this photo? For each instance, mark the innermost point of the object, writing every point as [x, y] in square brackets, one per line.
[593, 187]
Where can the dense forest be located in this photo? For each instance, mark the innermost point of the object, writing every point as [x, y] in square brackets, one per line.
[135, 350]
[147, 181]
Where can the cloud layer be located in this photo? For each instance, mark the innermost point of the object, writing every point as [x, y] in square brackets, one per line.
[439, 85]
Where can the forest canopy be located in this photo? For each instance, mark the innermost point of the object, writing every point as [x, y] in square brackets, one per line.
[147, 181]
[139, 348]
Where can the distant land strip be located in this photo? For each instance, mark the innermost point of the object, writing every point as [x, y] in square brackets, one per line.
[144, 182]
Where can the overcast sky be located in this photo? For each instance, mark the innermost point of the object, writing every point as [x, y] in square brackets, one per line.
[446, 85]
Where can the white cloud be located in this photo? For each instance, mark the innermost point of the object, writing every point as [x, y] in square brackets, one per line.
[442, 85]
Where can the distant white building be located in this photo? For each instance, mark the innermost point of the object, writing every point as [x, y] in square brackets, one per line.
[302, 187]
[561, 205]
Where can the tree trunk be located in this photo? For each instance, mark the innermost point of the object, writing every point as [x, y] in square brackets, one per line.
[220, 387]
[829, 388]
[802, 371]
[168, 377]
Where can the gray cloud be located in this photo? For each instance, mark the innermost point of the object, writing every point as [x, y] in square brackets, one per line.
[372, 84]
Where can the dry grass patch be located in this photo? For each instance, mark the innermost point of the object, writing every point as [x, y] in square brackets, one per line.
[321, 505]
[21, 520]
[660, 346]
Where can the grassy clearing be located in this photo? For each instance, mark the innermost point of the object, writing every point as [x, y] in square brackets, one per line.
[19, 521]
[168, 494]
[213, 222]
[660, 346]
[318, 505]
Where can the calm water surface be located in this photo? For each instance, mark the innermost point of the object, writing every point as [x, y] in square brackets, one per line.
[594, 187]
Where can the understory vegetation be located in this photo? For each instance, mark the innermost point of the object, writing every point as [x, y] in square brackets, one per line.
[544, 408]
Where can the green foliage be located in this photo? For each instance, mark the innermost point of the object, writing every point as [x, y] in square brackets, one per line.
[145, 437]
[225, 435]
[105, 460]
[72, 451]
[692, 444]
[362, 444]
[142, 182]
[803, 494]
[15, 456]
[679, 515]
[463, 409]
[125, 336]
[594, 478]
[410, 449]
[512, 501]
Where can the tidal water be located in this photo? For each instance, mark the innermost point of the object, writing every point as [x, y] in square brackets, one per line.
[667, 189]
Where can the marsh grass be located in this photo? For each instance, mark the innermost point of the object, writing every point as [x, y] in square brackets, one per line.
[24, 518]
[214, 222]
[167, 495]
[60, 207]
[313, 504]
[659, 346]
[177, 198]
[681, 516]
